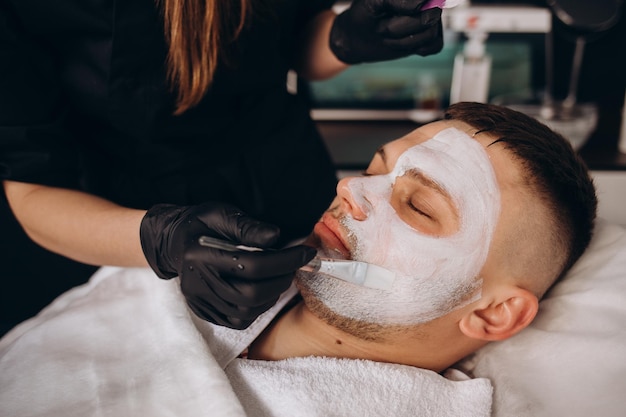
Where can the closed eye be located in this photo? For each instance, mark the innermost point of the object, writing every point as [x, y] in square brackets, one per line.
[424, 205]
[418, 210]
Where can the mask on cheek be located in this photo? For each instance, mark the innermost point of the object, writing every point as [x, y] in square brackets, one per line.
[435, 275]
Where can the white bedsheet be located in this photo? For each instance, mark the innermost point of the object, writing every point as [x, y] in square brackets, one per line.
[571, 360]
[125, 345]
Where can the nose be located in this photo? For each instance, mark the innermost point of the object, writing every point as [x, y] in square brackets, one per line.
[352, 204]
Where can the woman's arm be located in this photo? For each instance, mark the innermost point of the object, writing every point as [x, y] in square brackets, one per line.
[35, 147]
[316, 61]
[77, 225]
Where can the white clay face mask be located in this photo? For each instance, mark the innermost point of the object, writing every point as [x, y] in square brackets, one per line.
[434, 275]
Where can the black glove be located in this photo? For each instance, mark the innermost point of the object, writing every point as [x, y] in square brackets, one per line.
[227, 288]
[380, 30]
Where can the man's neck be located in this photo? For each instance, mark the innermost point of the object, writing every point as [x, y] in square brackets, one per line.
[299, 333]
[293, 334]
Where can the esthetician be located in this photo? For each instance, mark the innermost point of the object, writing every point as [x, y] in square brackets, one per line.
[130, 128]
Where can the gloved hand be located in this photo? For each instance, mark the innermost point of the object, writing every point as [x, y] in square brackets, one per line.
[380, 30]
[227, 288]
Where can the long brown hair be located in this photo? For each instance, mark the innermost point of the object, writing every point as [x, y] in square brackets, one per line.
[198, 33]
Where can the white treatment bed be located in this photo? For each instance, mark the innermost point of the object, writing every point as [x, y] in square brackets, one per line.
[124, 345]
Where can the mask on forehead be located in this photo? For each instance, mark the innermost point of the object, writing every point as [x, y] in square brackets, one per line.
[435, 275]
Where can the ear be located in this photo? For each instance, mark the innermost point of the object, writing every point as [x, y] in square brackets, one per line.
[506, 315]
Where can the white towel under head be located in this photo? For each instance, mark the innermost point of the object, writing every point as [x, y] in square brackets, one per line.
[125, 345]
[316, 386]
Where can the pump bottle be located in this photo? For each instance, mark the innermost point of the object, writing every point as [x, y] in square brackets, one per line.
[472, 71]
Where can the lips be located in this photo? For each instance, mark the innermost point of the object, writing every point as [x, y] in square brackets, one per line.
[328, 231]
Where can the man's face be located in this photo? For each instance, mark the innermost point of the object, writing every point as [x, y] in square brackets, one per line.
[427, 210]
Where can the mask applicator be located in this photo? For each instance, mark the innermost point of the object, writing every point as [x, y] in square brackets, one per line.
[442, 4]
[355, 272]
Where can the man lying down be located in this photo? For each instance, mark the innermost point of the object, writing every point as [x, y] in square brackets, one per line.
[476, 215]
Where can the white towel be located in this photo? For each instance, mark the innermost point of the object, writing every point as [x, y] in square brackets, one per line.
[316, 386]
[122, 345]
[125, 344]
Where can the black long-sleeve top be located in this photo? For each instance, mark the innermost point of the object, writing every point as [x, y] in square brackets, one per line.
[84, 104]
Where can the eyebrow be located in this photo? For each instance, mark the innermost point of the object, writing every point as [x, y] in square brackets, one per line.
[418, 176]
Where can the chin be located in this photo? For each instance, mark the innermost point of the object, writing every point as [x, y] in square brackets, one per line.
[362, 330]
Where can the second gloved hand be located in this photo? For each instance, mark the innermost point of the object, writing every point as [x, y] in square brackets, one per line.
[227, 288]
[380, 30]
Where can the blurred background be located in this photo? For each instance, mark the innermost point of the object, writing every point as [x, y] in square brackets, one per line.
[533, 64]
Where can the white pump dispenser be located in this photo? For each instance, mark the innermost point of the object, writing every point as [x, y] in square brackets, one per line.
[472, 71]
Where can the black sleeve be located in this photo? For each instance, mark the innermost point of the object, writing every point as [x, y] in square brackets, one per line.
[34, 146]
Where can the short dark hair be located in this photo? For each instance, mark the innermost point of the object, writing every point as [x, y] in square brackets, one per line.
[556, 171]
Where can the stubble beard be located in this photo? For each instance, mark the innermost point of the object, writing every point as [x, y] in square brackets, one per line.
[373, 332]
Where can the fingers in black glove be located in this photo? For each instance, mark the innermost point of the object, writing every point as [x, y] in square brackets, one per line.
[227, 288]
[231, 224]
[378, 30]
[235, 287]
